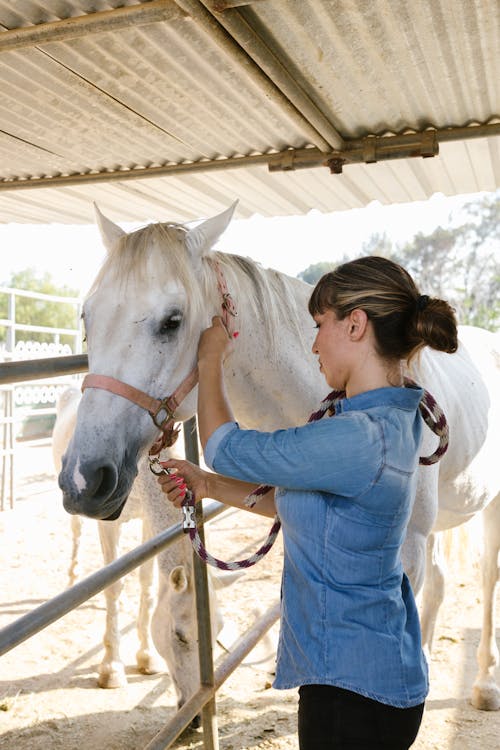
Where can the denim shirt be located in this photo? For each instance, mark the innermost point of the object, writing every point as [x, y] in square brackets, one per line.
[345, 490]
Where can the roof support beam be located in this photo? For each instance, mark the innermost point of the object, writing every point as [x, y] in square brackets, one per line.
[265, 58]
[372, 149]
[168, 10]
[221, 5]
[365, 150]
[361, 150]
[124, 175]
[259, 76]
[91, 23]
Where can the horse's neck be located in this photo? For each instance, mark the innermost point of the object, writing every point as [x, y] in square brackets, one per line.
[272, 377]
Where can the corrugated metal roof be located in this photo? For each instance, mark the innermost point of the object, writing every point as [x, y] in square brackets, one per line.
[126, 88]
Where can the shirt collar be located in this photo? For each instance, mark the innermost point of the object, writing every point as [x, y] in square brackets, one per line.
[407, 398]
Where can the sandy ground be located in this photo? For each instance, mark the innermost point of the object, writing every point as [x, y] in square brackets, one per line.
[48, 692]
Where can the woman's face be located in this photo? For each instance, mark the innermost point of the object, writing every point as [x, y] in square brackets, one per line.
[332, 345]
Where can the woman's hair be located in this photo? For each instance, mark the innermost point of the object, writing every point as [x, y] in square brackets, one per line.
[403, 320]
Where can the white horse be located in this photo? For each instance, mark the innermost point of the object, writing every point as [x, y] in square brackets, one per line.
[176, 624]
[111, 671]
[156, 292]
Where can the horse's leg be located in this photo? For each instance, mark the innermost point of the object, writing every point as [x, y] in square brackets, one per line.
[76, 537]
[433, 591]
[111, 669]
[146, 657]
[485, 692]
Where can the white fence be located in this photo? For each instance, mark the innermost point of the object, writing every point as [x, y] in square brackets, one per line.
[27, 410]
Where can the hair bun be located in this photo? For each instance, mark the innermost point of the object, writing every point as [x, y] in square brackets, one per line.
[422, 302]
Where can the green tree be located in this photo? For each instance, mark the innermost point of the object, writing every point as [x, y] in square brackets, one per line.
[460, 262]
[313, 273]
[480, 289]
[39, 312]
[378, 244]
[431, 259]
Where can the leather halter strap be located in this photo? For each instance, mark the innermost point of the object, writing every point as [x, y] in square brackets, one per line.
[162, 411]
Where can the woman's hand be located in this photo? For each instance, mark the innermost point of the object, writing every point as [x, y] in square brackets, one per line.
[185, 475]
[215, 342]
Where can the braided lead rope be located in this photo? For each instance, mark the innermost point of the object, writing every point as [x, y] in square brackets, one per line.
[328, 404]
[202, 552]
[229, 312]
[433, 417]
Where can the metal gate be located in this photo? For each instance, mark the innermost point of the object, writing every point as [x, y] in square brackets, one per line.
[38, 619]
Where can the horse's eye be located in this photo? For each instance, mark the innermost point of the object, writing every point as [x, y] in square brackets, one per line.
[180, 637]
[170, 324]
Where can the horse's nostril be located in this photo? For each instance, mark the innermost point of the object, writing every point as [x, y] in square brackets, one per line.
[106, 479]
[92, 481]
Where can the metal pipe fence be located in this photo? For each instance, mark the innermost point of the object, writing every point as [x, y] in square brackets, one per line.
[31, 623]
[27, 411]
[41, 617]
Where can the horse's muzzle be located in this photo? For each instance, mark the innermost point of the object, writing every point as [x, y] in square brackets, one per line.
[99, 491]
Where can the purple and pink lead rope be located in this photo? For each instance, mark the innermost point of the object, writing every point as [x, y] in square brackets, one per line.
[432, 415]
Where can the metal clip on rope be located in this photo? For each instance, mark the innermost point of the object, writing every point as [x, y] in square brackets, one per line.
[188, 505]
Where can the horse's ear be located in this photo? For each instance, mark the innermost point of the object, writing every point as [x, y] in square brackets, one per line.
[110, 233]
[200, 239]
[178, 579]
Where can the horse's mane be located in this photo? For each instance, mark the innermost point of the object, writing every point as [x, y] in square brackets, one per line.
[268, 295]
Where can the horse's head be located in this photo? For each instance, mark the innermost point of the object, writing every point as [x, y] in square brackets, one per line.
[143, 317]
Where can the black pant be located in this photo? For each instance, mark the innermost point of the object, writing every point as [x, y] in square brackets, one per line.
[331, 718]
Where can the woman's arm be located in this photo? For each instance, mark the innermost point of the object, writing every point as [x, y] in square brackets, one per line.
[213, 411]
[206, 484]
[213, 406]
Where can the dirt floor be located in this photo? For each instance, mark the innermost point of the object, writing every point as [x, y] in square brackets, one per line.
[48, 692]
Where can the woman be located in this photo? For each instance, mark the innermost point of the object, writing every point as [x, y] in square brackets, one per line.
[350, 636]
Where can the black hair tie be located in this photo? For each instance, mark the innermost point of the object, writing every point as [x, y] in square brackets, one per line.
[422, 302]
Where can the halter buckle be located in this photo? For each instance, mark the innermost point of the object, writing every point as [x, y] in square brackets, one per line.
[228, 304]
[165, 409]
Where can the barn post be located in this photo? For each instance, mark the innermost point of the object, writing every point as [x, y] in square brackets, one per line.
[209, 711]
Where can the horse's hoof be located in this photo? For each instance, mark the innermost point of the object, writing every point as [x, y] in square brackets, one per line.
[196, 722]
[112, 676]
[486, 697]
[148, 662]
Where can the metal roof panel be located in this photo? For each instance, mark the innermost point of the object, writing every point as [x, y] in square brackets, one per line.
[176, 84]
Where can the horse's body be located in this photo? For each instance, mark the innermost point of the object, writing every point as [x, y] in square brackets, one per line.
[169, 610]
[155, 294]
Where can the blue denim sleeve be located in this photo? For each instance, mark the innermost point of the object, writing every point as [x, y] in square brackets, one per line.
[214, 441]
[343, 455]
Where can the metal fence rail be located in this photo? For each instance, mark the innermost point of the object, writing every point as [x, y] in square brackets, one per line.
[36, 369]
[20, 417]
[41, 617]
[38, 619]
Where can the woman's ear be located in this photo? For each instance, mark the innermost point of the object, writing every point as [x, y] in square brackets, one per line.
[358, 321]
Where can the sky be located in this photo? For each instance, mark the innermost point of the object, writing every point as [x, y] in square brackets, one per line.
[72, 255]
